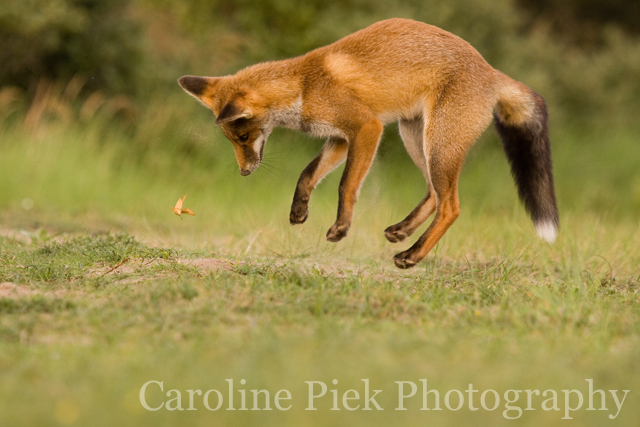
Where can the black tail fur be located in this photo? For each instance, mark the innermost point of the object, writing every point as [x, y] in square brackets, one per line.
[529, 153]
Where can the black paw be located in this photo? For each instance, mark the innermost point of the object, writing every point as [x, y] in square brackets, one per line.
[395, 234]
[403, 260]
[298, 216]
[337, 232]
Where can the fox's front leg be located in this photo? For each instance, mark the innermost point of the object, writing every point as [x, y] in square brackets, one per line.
[362, 149]
[332, 154]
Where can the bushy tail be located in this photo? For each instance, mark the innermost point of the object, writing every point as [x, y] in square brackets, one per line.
[521, 120]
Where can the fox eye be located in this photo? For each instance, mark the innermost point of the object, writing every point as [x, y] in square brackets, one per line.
[243, 137]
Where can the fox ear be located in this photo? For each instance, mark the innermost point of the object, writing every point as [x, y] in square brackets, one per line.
[235, 109]
[196, 86]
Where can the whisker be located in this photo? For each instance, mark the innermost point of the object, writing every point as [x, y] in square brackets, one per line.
[267, 172]
[275, 162]
[272, 167]
[228, 169]
[274, 173]
[261, 175]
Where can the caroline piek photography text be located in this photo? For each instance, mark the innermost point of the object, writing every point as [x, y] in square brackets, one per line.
[407, 395]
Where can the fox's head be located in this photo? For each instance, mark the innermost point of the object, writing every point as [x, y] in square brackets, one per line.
[238, 112]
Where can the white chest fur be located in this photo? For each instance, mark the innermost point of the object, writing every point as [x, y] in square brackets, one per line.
[293, 118]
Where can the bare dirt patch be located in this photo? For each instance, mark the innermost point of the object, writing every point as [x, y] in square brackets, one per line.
[208, 265]
[13, 291]
[14, 235]
[127, 266]
[10, 290]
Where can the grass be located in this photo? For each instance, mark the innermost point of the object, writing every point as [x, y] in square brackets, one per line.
[109, 293]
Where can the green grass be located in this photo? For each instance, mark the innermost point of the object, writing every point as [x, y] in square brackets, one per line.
[106, 299]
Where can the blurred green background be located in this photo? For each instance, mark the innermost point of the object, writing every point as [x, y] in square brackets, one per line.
[583, 55]
[94, 82]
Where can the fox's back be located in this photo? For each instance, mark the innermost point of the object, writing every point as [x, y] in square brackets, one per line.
[398, 44]
[398, 65]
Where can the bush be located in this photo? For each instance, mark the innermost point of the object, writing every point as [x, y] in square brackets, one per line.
[58, 39]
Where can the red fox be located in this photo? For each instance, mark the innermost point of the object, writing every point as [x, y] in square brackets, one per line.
[435, 85]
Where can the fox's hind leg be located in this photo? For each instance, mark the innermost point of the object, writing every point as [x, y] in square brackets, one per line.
[449, 133]
[412, 133]
[444, 178]
[333, 153]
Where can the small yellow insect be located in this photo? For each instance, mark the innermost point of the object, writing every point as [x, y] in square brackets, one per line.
[177, 209]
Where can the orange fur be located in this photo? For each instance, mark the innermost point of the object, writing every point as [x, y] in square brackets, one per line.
[440, 89]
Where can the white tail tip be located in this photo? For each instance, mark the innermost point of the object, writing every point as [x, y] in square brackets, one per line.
[547, 231]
